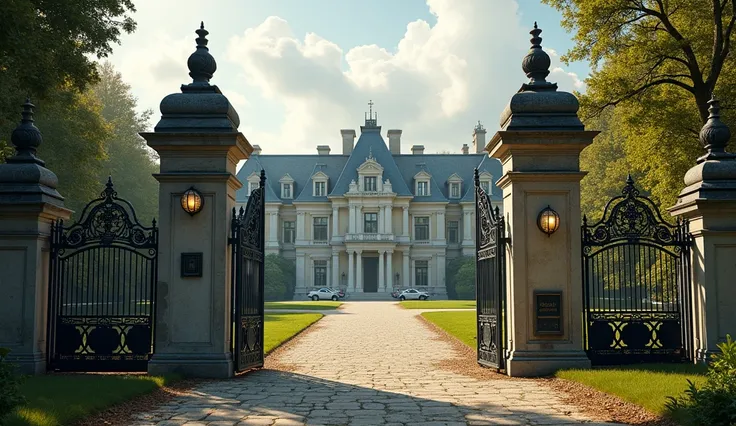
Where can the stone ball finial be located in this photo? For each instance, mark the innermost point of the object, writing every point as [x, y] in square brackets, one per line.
[536, 63]
[26, 137]
[715, 134]
[201, 63]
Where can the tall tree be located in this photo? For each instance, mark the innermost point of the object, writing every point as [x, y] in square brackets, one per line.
[128, 159]
[657, 62]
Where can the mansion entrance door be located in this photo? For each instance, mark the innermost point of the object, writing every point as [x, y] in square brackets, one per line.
[370, 274]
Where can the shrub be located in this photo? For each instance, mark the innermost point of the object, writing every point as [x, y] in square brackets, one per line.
[453, 266]
[465, 281]
[288, 269]
[273, 280]
[715, 403]
[10, 381]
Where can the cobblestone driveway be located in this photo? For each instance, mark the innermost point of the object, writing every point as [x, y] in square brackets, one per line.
[373, 364]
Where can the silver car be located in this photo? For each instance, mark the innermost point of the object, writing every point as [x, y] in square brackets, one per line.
[413, 294]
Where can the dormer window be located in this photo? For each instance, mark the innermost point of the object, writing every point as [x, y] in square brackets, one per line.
[287, 187]
[319, 184]
[369, 184]
[422, 189]
[455, 183]
[421, 184]
[254, 180]
[485, 179]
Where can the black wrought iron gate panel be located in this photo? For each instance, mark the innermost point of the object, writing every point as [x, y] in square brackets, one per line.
[636, 273]
[102, 280]
[248, 242]
[490, 280]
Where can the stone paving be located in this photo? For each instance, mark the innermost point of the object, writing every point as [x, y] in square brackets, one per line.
[373, 364]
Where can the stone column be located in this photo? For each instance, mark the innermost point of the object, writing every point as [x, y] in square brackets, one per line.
[381, 271]
[359, 220]
[466, 227]
[389, 221]
[441, 279]
[351, 215]
[200, 146]
[300, 226]
[539, 148]
[440, 226]
[300, 286]
[381, 219]
[405, 217]
[359, 271]
[708, 202]
[273, 231]
[406, 279]
[29, 205]
[351, 271]
[335, 219]
[389, 269]
[336, 269]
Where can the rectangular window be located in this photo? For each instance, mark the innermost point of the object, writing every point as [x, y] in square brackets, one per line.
[320, 273]
[320, 189]
[486, 187]
[369, 184]
[286, 190]
[370, 224]
[421, 271]
[289, 232]
[421, 228]
[455, 190]
[252, 186]
[422, 188]
[452, 231]
[320, 229]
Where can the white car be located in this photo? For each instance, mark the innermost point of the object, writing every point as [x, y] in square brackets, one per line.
[413, 294]
[323, 293]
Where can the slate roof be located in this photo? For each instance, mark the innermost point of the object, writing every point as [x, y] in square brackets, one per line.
[341, 169]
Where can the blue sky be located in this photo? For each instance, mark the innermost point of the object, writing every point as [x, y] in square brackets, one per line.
[299, 70]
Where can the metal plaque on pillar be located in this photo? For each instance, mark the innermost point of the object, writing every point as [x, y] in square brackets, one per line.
[548, 313]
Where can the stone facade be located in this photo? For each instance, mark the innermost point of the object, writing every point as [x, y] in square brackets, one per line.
[371, 219]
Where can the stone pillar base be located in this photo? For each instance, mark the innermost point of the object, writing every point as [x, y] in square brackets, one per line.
[211, 366]
[29, 363]
[540, 363]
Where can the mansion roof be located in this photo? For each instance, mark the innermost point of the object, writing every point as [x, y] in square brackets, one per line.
[398, 169]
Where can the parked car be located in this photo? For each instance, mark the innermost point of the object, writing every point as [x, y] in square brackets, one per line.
[323, 293]
[413, 294]
[340, 293]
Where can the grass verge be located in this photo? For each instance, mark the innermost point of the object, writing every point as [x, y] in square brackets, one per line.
[646, 385]
[438, 304]
[461, 324]
[319, 305]
[281, 327]
[61, 399]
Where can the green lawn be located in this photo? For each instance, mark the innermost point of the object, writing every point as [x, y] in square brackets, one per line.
[438, 304]
[56, 400]
[461, 324]
[647, 385]
[320, 305]
[61, 400]
[282, 327]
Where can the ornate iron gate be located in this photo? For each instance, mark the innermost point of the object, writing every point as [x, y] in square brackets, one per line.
[248, 242]
[102, 286]
[490, 280]
[636, 281]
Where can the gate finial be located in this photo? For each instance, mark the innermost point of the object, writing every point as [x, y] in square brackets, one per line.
[476, 177]
[201, 63]
[536, 63]
[26, 137]
[715, 134]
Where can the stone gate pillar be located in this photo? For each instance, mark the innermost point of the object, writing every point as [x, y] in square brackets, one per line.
[539, 146]
[199, 144]
[29, 204]
[709, 202]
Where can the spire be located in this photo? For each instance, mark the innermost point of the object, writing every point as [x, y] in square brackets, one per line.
[536, 63]
[201, 64]
[715, 134]
[26, 138]
[371, 121]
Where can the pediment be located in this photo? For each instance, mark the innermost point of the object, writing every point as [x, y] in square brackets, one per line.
[286, 179]
[422, 175]
[454, 178]
[254, 177]
[485, 176]
[320, 176]
[370, 166]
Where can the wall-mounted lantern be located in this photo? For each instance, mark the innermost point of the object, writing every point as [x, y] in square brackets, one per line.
[192, 201]
[548, 221]
[397, 279]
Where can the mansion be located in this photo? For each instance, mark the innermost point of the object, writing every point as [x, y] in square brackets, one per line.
[372, 218]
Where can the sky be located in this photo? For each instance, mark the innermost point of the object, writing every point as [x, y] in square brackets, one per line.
[298, 71]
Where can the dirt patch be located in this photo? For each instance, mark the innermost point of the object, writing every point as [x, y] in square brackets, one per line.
[122, 414]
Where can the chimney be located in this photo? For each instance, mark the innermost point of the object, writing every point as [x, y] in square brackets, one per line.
[479, 138]
[256, 150]
[464, 149]
[417, 149]
[348, 140]
[394, 141]
[323, 149]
